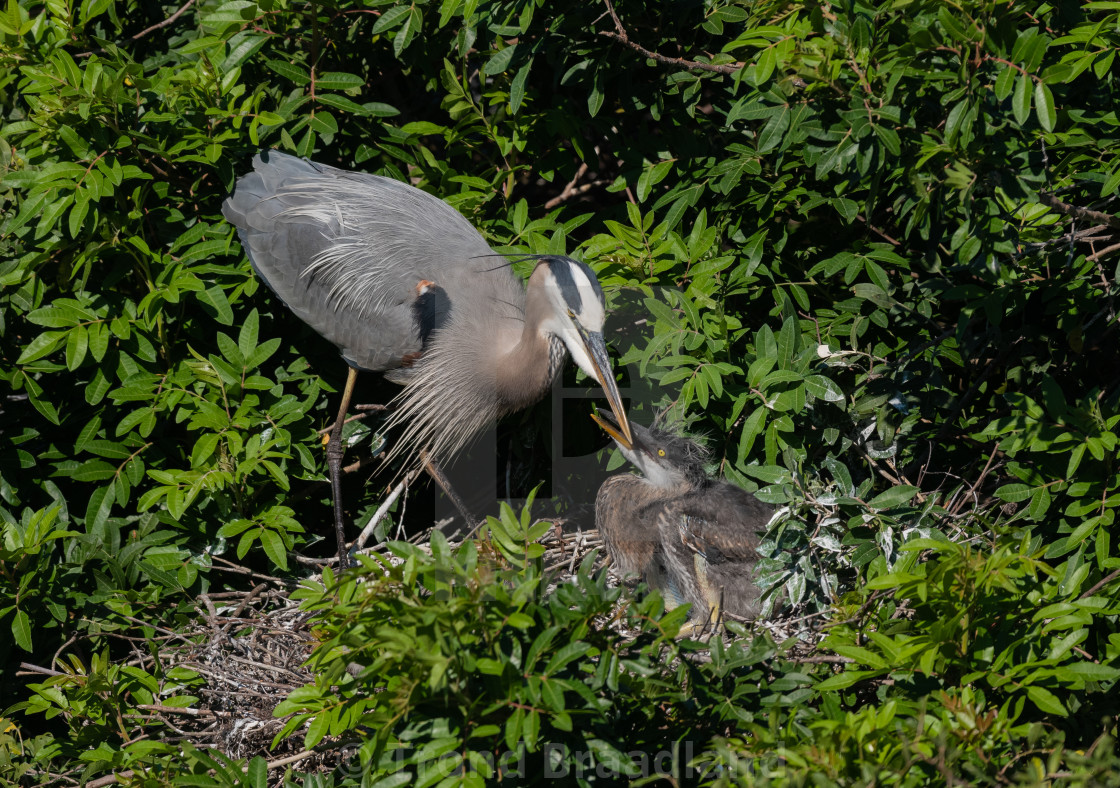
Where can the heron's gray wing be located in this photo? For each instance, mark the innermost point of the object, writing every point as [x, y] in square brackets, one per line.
[357, 256]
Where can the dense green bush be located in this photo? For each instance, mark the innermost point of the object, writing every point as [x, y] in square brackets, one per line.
[874, 246]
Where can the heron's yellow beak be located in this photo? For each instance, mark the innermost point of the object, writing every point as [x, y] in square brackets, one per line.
[596, 349]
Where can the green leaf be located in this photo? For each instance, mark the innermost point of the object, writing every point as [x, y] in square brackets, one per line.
[846, 679]
[103, 448]
[390, 18]
[338, 80]
[517, 87]
[422, 128]
[1040, 503]
[1092, 671]
[340, 102]
[409, 29]
[565, 655]
[595, 102]
[849, 209]
[774, 131]
[753, 426]
[77, 343]
[499, 61]
[21, 630]
[894, 497]
[232, 11]
[1044, 106]
[765, 64]
[98, 507]
[1005, 82]
[1021, 99]
[324, 123]
[295, 73]
[256, 774]
[274, 548]
[890, 139]
[1046, 701]
[42, 345]
[215, 298]
[317, 730]
[1013, 493]
[823, 388]
[873, 293]
[247, 338]
[953, 121]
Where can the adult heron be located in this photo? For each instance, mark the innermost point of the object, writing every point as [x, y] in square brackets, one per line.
[404, 285]
[693, 537]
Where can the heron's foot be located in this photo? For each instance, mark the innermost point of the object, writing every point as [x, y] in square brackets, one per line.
[701, 627]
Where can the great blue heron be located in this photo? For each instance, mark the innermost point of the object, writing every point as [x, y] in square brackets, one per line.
[693, 537]
[404, 285]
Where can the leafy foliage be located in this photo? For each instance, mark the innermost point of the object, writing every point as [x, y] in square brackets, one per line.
[872, 252]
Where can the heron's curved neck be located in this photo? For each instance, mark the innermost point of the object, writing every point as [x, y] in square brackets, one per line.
[525, 374]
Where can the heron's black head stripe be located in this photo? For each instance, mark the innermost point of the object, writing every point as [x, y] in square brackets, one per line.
[561, 268]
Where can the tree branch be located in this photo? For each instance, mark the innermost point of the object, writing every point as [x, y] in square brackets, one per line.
[1079, 213]
[571, 189]
[1101, 584]
[1103, 252]
[182, 9]
[877, 231]
[619, 34]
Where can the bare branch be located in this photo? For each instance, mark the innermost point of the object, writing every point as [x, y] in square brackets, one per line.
[382, 510]
[1079, 213]
[619, 34]
[165, 22]
[41, 671]
[1103, 252]
[147, 30]
[569, 190]
[1115, 574]
[877, 231]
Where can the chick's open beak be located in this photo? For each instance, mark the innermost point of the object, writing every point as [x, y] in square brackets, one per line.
[597, 351]
[609, 427]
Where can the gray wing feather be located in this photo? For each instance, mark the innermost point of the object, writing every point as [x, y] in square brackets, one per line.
[630, 537]
[346, 250]
[711, 544]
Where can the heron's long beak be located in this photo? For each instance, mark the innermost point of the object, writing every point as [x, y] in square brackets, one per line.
[596, 349]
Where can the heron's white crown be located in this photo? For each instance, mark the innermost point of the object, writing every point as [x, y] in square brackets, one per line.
[577, 302]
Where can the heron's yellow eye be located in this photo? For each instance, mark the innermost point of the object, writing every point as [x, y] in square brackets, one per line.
[660, 452]
[571, 314]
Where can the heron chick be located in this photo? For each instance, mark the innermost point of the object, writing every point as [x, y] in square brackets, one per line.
[403, 284]
[693, 537]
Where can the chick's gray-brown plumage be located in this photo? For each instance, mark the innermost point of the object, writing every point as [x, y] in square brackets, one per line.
[693, 537]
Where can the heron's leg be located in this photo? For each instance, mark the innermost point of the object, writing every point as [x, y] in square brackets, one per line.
[437, 474]
[334, 466]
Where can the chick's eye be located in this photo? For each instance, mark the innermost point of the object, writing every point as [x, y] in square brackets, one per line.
[660, 452]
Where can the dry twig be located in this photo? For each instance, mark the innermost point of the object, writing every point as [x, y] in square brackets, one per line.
[137, 36]
[619, 34]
